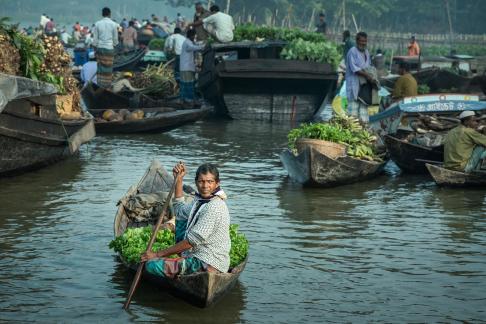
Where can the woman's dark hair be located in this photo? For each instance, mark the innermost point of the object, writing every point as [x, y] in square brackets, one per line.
[105, 12]
[131, 23]
[208, 168]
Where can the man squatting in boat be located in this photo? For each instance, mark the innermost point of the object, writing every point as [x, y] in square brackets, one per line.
[201, 229]
[465, 147]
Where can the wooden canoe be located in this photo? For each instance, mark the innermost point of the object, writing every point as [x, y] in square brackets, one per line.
[313, 168]
[127, 61]
[412, 157]
[163, 120]
[451, 178]
[200, 289]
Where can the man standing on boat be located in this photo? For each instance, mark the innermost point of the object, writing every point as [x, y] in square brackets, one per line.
[464, 147]
[201, 229]
[357, 61]
[321, 26]
[413, 47]
[188, 69]
[219, 25]
[173, 45]
[199, 16]
[105, 38]
[406, 85]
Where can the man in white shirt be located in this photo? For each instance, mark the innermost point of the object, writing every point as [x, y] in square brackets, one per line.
[188, 68]
[105, 38]
[65, 37]
[88, 71]
[173, 45]
[219, 25]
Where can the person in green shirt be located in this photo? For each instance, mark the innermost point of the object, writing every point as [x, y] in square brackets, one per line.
[406, 85]
[464, 147]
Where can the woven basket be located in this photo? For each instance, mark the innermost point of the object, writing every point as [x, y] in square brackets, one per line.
[331, 149]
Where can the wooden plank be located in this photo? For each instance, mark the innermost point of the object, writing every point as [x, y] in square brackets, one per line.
[276, 65]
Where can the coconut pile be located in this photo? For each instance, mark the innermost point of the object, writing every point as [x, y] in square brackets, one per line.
[110, 115]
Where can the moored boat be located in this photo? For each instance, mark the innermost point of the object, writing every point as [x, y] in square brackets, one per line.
[412, 157]
[154, 120]
[200, 289]
[247, 80]
[32, 132]
[314, 168]
[446, 177]
[128, 61]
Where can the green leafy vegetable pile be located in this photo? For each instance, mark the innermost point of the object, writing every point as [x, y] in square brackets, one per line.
[252, 32]
[239, 246]
[133, 243]
[344, 130]
[302, 45]
[321, 52]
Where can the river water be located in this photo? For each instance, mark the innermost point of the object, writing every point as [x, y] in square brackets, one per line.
[393, 249]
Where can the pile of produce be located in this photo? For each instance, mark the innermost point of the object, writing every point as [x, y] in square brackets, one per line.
[252, 32]
[156, 80]
[133, 243]
[156, 44]
[110, 115]
[321, 52]
[41, 59]
[423, 89]
[302, 45]
[359, 142]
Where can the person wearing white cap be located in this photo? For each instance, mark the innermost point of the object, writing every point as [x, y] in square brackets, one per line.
[88, 71]
[464, 146]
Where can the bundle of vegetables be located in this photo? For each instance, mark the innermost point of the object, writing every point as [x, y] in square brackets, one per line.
[157, 80]
[44, 60]
[252, 32]
[322, 52]
[423, 89]
[134, 242]
[359, 142]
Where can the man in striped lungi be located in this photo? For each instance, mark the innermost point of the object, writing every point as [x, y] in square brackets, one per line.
[105, 38]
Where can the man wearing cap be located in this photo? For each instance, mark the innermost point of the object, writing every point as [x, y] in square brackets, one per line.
[406, 85]
[321, 26]
[88, 71]
[464, 147]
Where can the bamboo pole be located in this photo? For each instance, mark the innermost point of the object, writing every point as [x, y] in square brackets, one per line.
[311, 21]
[450, 21]
[228, 4]
[344, 15]
[355, 24]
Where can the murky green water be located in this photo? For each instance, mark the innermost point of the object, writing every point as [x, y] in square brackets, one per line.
[394, 249]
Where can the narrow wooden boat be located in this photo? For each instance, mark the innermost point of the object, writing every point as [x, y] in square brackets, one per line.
[155, 120]
[313, 168]
[128, 61]
[32, 133]
[96, 98]
[200, 289]
[446, 177]
[412, 157]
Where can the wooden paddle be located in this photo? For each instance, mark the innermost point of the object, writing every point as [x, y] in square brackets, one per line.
[151, 242]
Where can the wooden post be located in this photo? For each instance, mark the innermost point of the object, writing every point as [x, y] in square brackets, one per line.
[450, 21]
[311, 21]
[355, 24]
[344, 15]
[228, 4]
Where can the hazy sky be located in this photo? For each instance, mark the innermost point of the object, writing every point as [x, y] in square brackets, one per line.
[28, 12]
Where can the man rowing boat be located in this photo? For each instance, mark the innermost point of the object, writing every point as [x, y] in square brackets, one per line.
[202, 229]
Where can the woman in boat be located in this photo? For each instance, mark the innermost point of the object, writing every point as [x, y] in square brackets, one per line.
[202, 229]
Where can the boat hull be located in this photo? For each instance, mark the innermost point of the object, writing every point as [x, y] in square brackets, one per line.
[312, 168]
[412, 157]
[450, 178]
[31, 142]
